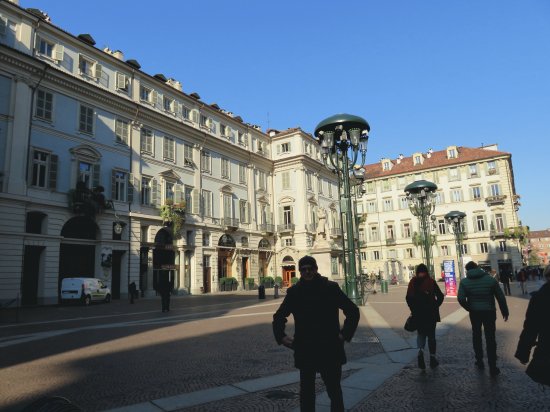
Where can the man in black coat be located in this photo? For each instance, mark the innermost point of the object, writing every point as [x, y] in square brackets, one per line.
[165, 287]
[318, 341]
[536, 328]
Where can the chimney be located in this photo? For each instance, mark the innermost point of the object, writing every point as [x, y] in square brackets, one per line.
[175, 84]
[118, 54]
[429, 154]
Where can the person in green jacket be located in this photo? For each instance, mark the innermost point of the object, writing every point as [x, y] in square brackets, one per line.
[476, 294]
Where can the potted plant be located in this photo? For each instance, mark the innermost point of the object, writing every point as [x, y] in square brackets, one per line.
[250, 283]
[267, 281]
[279, 281]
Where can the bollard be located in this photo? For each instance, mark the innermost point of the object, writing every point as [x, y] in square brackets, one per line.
[275, 291]
[261, 292]
[384, 286]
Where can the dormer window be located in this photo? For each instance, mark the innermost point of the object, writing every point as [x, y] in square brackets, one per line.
[386, 166]
[89, 67]
[452, 152]
[418, 160]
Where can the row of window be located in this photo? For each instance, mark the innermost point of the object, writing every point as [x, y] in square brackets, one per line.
[452, 173]
[498, 224]
[323, 186]
[456, 195]
[443, 250]
[93, 70]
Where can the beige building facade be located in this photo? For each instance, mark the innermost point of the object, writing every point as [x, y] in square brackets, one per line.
[476, 181]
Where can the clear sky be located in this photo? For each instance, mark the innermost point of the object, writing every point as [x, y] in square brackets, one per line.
[424, 73]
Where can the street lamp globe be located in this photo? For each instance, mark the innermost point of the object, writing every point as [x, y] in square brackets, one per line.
[341, 136]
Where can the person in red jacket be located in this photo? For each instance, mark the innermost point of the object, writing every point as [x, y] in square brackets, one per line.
[424, 299]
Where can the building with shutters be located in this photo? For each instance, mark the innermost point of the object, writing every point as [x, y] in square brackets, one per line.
[110, 172]
[477, 181]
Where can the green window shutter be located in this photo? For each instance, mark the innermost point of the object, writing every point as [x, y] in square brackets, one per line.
[155, 192]
[178, 193]
[52, 184]
[130, 194]
[59, 51]
[97, 71]
[195, 198]
[113, 184]
[96, 179]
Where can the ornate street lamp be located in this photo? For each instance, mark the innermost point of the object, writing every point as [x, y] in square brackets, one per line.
[342, 136]
[421, 198]
[455, 221]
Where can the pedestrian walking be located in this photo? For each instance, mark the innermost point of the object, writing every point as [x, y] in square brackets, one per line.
[424, 298]
[165, 286]
[536, 332]
[132, 291]
[318, 342]
[477, 295]
[505, 279]
[522, 278]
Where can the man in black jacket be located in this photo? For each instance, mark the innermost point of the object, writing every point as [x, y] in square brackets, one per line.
[318, 341]
[536, 328]
[165, 288]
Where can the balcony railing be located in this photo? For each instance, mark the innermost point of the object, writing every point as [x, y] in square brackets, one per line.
[495, 200]
[285, 227]
[267, 228]
[336, 231]
[390, 242]
[230, 222]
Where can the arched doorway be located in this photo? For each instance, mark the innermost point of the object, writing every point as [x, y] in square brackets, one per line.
[77, 249]
[164, 257]
[289, 270]
[226, 249]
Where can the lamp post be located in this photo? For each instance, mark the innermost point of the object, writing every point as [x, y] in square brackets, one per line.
[421, 198]
[454, 221]
[340, 136]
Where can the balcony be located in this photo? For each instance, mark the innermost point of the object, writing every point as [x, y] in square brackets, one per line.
[336, 232]
[286, 228]
[267, 228]
[230, 223]
[495, 200]
[390, 242]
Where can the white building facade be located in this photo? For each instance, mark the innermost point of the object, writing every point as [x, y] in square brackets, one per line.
[107, 171]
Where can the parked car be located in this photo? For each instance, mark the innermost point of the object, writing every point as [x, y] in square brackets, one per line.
[85, 290]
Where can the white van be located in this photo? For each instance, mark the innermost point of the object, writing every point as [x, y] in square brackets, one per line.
[86, 290]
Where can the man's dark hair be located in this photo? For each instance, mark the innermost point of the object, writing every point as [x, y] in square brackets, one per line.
[471, 265]
[307, 260]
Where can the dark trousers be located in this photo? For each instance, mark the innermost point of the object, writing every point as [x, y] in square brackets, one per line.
[427, 331]
[506, 286]
[165, 296]
[331, 377]
[487, 319]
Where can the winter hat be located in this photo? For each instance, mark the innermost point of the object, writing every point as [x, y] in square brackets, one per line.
[307, 260]
[422, 268]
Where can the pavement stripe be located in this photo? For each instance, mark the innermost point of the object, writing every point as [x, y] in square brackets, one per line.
[187, 400]
[389, 339]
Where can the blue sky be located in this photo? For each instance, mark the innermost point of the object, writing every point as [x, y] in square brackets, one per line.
[424, 73]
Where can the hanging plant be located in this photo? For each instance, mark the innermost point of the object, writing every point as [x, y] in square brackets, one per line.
[173, 215]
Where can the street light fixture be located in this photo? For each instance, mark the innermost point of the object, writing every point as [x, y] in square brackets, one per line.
[342, 136]
[455, 221]
[421, 198]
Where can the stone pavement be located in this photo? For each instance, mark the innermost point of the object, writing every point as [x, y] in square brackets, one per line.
[390, 380]
[221, 357]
